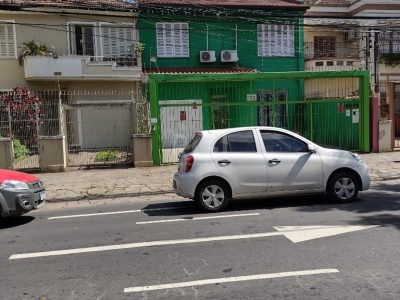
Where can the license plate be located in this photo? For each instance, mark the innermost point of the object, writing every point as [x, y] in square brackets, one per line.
[42, 195]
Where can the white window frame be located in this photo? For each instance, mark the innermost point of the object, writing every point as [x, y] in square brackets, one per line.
[276, 40]
[162, 52]
[12, 22]
[106, 24]
[95, 34]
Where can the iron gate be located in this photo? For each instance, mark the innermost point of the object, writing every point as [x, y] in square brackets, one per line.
[329, 108]
[98, 132]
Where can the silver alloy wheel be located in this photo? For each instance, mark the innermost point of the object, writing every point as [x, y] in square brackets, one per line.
[344, 188]
[213, 196]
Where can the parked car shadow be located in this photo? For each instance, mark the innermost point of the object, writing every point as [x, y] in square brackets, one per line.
[15, 221]
[188, 207]
[378, 206]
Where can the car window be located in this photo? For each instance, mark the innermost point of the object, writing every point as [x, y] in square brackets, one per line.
[193, 144]
[280, 142]
[242, 141]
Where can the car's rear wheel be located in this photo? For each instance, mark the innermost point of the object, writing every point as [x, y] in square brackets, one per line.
[342, 187]
[212, 196]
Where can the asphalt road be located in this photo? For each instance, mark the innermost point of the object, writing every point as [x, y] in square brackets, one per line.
[247, 254]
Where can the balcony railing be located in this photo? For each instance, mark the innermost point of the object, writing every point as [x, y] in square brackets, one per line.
[341, 50]
[78, 67]
[123, 61]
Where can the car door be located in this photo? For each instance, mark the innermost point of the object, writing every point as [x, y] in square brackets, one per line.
[291, 166]
[239, 159]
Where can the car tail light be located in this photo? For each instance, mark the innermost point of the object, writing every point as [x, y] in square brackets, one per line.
[189, 163]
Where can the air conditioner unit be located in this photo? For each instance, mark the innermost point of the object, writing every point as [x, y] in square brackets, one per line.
[207, 56]
[229, 56]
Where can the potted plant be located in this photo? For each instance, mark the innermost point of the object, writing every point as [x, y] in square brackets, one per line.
[138, 48]
[33, 48]
[141, 140]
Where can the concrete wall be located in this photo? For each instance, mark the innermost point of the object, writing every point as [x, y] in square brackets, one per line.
[6, 154]
[52, 154]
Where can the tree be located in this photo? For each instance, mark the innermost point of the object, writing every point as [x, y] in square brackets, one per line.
[24, 114]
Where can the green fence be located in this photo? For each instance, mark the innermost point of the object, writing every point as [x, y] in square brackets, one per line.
[329, 108]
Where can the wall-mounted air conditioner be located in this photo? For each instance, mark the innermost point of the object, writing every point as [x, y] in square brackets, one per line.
[229, 56]
[207, 56]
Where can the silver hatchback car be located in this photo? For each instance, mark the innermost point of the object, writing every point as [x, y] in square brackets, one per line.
[248, 162]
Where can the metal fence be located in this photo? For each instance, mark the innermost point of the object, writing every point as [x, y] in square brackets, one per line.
[331, 111]
[24, 117]
[97, 125]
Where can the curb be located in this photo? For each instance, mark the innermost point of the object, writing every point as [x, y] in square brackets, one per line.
[108, 196]
[159, 192]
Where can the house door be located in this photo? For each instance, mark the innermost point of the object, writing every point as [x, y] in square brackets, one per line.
[82, 40]
[272, 108]
[219, 111]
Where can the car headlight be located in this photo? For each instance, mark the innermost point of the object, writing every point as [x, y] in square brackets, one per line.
[14, 185]
[355, 156]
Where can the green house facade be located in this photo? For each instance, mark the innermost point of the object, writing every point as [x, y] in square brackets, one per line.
[232, 37]
[224, 37]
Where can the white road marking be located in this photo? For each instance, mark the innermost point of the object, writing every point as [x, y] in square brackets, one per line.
[117, 212]
[305, 233]
[144, 244]
[227, 280]
[294, 233]
[197, 218]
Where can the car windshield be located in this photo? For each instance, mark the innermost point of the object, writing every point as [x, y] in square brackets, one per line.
[193, 144]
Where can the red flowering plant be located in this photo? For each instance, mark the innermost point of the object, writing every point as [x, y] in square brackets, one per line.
[24, 113]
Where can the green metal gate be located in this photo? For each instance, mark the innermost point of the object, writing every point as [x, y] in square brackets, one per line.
[329, 108]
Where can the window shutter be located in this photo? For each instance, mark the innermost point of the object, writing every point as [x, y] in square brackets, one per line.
[7, 44]
[3, 44]
[129, 40]
[117, 41]
[160, 40]
[106, 41]
[260, 40]
[291, 41]
[172, 40]
[275, 40]
[11, 44]
[169, 42]
[185, 39]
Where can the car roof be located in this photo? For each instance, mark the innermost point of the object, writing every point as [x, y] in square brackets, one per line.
[234, 129]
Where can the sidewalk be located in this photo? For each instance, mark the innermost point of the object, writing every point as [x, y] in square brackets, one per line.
[89, 184]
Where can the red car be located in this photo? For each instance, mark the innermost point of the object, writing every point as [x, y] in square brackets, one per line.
[19, 193]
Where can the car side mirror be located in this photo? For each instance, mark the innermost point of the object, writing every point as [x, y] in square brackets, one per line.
[311, 149]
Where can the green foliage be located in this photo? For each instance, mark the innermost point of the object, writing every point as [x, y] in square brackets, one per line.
[33, 48]
[138, 48]
[390, 59]
[142, 113]
[20, 150]
[106, 155]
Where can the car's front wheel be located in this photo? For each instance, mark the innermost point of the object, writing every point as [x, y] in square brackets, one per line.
[212, 196]
[342, 187]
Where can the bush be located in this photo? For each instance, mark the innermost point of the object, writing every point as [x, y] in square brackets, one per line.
[20, 150]
[106, 155]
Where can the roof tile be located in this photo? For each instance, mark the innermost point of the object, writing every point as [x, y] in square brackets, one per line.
[194, 70]
[79, 4]
[240, 3]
